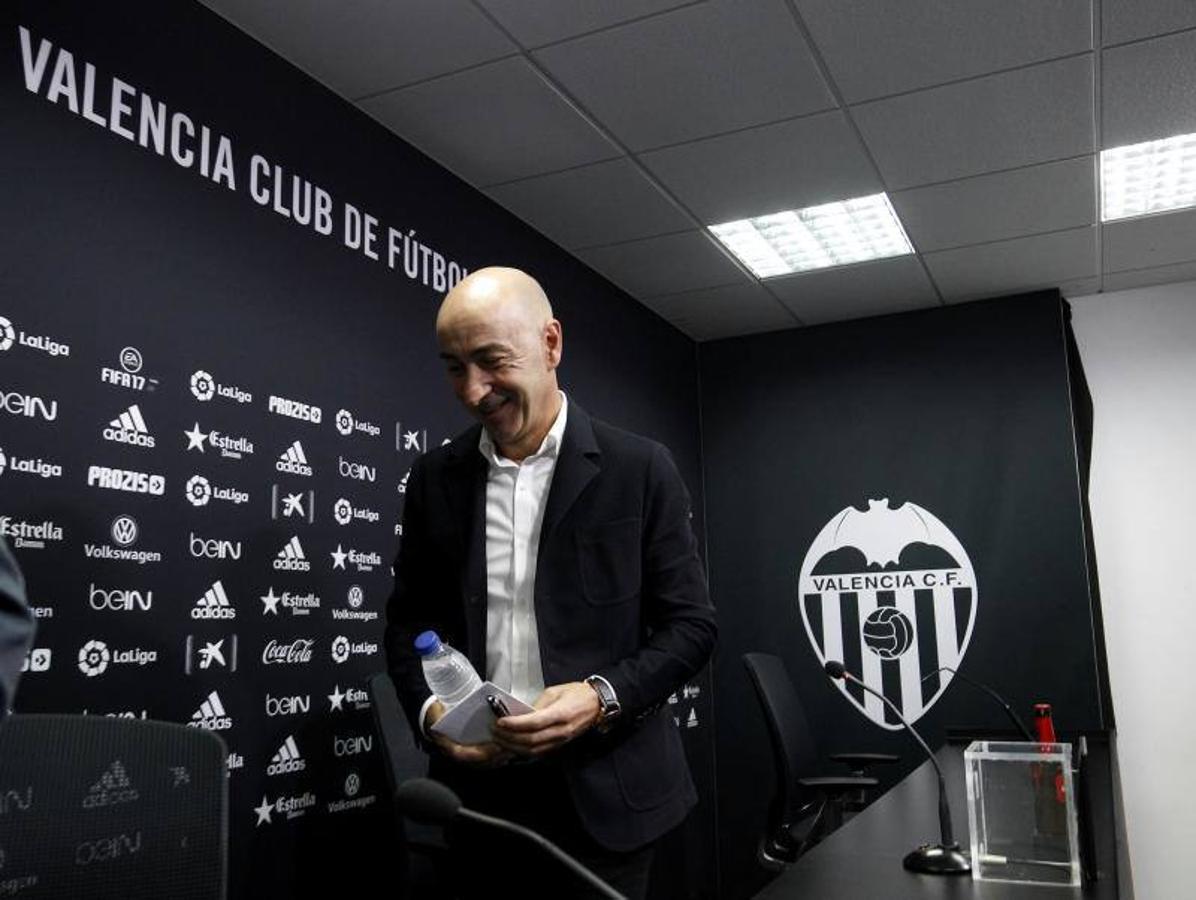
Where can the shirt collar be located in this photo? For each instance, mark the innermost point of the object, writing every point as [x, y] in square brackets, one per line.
[550, 446]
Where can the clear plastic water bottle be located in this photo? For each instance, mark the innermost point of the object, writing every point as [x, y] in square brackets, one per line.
[449, 674]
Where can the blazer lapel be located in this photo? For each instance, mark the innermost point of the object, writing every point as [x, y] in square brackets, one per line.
[466, 489]
[576, 466]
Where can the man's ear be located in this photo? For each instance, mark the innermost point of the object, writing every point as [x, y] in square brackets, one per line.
[553, 343]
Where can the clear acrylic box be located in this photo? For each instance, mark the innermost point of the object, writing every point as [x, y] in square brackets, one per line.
[1022, 812]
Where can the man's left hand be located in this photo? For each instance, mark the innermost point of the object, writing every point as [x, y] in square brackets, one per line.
[562, 713]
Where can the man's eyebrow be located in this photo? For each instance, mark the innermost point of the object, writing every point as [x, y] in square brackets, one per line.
[484, 350]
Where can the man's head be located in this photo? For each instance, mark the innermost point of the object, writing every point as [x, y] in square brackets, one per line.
[502, 346]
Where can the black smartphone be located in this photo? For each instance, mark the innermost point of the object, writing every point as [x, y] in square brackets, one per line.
[497, 706]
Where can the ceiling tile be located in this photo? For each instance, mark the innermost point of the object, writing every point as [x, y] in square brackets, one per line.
[528, 129]
[1081, 287]
[763, 170]
[723, 311]
[697, 71]
[852, 292]
[1003, 121]
[359, 47]
[999, 206]
[1005, 267]
[665, 265]
[1128, 20]
[538, 22]
[1149, 90]
[1122, 281]
[599, 204]
[877, 47]
[1150, 241]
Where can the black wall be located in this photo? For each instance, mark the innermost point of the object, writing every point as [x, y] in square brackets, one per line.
[109, 245]
[964, 411]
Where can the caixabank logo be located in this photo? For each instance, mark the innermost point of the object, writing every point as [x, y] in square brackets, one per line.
[892, 594]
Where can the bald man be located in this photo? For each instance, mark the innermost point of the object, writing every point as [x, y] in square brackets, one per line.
[556, 551]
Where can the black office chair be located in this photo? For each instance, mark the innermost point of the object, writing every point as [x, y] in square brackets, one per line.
[421, 848]
[100, 807]
[806, 807]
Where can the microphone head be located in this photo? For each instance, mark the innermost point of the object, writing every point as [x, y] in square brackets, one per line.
[427, 801]
[834, 668]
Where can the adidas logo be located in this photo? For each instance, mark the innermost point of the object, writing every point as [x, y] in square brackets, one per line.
[287, 759]
[214, 604]
[113, 787]
[129, 428]
[293, 460]
[291, 558]
[211, 715]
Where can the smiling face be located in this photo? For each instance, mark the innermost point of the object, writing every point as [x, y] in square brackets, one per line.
[501, 347]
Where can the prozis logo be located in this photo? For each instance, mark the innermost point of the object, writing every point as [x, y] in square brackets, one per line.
[298, 604]
[129, 428]
[296, 653]
[347, 423]
[28, 405]
[343, 648]
[119, 599]
[204, 387]
[126, 480]
[11, 335]
[345, 512]
[95, 657]
[291, 557]
[288, 759]
[38, 660]
[214, 604]
[296, 409]
[129, 374]
[28, 535]
[213, 548]
[355, 599]
[293, 461]
[298, 704]
[124, 535]
[211, 715]
[355, 470]
[38, 467]
[364, 562]
[200, 492]
[229, 447]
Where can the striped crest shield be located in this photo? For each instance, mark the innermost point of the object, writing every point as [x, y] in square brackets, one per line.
[892, 594]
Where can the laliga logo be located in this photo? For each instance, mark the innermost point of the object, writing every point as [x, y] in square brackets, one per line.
[340, 649]
[891, 592]
[203, 387]
[342, 511]
[8, 335]
[94, 658]
[344, 420]
[199, 491]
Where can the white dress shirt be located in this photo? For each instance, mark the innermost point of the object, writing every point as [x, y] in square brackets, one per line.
[516, 495]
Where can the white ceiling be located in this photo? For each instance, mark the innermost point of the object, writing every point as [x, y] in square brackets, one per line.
[620, 129]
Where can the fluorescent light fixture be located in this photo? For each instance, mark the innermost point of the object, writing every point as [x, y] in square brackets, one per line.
[1151, 177]
[817, 237]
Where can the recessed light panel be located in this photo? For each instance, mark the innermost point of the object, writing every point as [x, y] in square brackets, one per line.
[1151, 177]
[817, 237]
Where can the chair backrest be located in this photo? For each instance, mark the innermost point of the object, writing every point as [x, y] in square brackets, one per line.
[403, 758]
[99, 807]
[795, 753]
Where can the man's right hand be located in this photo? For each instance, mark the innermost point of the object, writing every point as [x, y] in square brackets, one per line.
[483, 756]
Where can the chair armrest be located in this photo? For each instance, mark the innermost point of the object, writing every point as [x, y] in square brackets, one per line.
[832, 783]
[864, 760]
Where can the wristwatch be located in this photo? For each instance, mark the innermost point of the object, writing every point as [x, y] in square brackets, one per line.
[608, 702]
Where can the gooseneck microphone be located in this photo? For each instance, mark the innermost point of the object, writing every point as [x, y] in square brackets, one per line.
[944, 858]
[1021, 726]
[432, 803]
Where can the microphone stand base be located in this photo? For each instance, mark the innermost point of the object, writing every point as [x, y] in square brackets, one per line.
[937, 859]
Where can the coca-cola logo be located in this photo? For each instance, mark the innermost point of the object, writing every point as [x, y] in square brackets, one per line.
[297, 652]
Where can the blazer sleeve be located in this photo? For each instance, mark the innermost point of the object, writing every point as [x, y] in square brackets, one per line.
[16, 627]
[410, 610]
[678, 615]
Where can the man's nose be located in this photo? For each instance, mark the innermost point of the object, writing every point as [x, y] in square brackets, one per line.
[475, 387]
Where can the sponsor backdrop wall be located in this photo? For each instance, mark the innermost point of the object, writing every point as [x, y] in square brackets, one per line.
[900, 494]
[216, 368]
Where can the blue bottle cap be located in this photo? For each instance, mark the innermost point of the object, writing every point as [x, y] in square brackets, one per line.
[427, 643]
